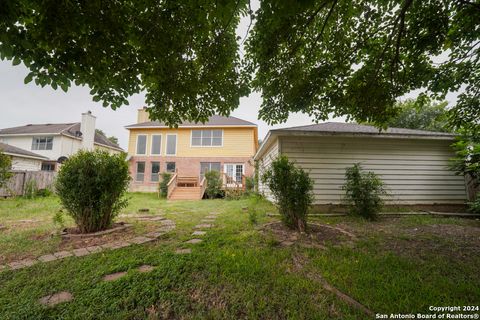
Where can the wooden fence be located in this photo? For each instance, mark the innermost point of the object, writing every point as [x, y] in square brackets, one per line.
[18, 183]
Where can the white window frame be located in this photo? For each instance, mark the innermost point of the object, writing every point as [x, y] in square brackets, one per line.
[151, 145]
[166, 144]
[233, 164]
[201, 138]
[144, 170]
[146, 145]
[46, 143]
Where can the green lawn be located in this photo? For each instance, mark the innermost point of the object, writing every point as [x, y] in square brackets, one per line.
[239, 271]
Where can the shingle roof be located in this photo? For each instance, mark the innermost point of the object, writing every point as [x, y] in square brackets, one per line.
[68, 129]
[17, 151]
[214, 120]
[353, 128]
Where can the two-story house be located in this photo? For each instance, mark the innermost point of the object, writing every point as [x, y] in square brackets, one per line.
[225, 144]
[56, 142]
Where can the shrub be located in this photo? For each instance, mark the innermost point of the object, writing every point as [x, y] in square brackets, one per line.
[163, 188]
[31, 189]
[474, 206]
[5, 166]
[92, 186]
[249, 184]
[363, 192]
[44, 192]
[214, 184]
[252, 215]
[291, 188]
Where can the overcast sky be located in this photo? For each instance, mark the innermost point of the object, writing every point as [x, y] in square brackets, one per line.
[22, 104]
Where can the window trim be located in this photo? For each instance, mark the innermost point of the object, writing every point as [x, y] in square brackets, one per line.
[161, 144]
[166, 144]
[46, 143]
[146, 145]
[151, 171]
[136, 171]
[200, 146]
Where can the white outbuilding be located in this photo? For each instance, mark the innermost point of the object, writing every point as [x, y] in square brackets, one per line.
[413, 164]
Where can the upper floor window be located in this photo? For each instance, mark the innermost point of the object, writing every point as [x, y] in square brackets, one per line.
[42, 143]
[171, 145]
[142, 144]
[207, 138]
[156, 144]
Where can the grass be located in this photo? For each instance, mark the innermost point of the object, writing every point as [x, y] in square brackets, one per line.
[238, 271]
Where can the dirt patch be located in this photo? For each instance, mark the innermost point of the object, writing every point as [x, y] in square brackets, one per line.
[452, 241]
[318, 235]
[75, 232]
[75, 243]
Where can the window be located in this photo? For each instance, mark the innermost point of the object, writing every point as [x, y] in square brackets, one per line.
[156, 144]
[208, 166]
[155, 171]
[171, 144]
[140, 171]
[170, 166]
[42, 143]
[48, 166]
[207, 138]
[234, 171]
[142, 144]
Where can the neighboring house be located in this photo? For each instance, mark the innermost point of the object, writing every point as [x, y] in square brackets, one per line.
[22, 160]
[57, 142]
[225, 144]
[412, 163]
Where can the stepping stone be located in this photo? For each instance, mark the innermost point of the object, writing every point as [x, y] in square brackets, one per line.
[199, 233]
[16, 265]
[63, 254]
[154, 234]
[145, 268]
[47, 258]
[28, 262]
[94, 249]
[286, 243]
[207, 221]
[140, 240]
[120, 244]
[80, 252]
[194, 241]
[203, 225]
[183, 251]
[143, 210]
[114, 276]
[54, 299]
[211, 217]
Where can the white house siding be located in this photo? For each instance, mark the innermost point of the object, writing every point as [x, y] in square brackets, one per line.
[414, 171]
[25, 143]
[26, 164]
[270, 154]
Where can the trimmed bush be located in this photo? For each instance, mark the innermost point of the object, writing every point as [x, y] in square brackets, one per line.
[363, 192]
[92, 187]
[163, 185]
[214, 184]
[291, 188]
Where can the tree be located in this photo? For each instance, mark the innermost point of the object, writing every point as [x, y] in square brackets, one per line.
[356, 58]
[322, 57]
[112, 139]
[432, 117]
[5, 167]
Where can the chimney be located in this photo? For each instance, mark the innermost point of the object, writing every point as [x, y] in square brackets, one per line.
[143, 115]
[87, 128]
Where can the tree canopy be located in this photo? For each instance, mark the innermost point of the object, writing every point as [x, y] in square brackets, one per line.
[322, 57]
[428, 116]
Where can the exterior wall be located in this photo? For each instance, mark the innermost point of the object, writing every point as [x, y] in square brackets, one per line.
[271, 153]
[237, 142]
[414, 171]
[26, 164]
[185, 166]
[25, 142]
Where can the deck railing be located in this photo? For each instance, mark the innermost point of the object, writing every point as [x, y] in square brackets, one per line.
[203, 186]
[172, 184]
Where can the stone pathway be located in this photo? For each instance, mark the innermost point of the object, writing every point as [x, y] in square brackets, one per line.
[56, 298]
[206, 223]
[166, 226]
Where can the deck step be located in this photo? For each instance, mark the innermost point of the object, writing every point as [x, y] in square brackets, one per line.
[185, 193]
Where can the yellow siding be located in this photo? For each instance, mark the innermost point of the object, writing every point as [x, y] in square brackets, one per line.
[237, 142]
